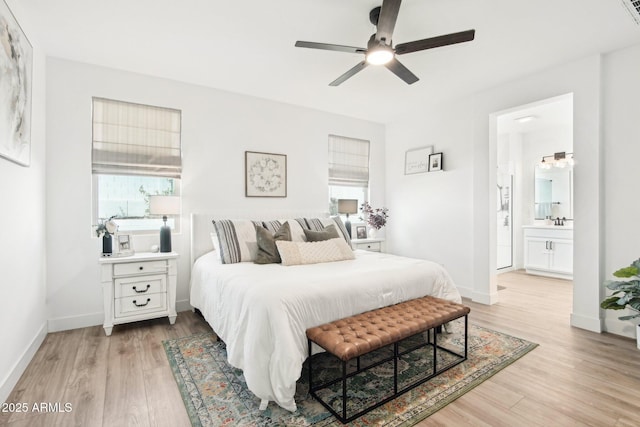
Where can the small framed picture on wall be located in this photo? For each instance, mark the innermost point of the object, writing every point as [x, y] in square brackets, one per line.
[435, 162]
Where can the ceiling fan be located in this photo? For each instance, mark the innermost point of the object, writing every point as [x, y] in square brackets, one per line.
[380, 50]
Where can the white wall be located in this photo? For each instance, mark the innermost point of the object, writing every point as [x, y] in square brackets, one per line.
[431, 214]
[22, 252]
[217, 127]
[621, 153]
[446, 216]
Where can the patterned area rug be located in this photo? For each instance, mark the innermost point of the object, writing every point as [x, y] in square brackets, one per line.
[215, 393]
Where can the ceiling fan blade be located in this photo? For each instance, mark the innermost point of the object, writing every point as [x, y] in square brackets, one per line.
[430, 43]
[361, 66]
[401, 71]
[387, 20]
[327, 46]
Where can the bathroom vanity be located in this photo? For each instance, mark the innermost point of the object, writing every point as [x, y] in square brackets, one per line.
[548, 250]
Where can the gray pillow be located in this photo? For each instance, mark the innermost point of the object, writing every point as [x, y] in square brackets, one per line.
[329, 232]
[267, 249]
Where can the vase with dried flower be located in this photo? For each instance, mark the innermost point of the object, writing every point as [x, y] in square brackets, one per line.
[375, 217]
[107, 228]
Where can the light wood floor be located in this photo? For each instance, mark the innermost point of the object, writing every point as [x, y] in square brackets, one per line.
[573, 378]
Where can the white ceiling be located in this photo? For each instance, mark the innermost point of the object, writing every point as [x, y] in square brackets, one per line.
[247, 46]
[546, 114]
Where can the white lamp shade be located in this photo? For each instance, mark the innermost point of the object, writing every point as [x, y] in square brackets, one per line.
[164, 205]
[347, 206]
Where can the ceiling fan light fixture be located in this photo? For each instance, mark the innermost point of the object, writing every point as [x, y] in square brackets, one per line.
[379, 56]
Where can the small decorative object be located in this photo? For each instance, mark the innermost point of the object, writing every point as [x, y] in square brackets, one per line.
[16, 58]
[154, 248]
[416, 160]
[626, 294]
[435, 162]
[361, 232]
[347, 206]
[164, 205]
[106, 229]
[265, 174]
[376, 218]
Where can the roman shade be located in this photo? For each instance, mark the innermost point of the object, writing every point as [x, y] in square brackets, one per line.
[135, 139]
[348, 161]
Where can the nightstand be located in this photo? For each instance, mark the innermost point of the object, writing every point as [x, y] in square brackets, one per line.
[138, 287]
[371, 245]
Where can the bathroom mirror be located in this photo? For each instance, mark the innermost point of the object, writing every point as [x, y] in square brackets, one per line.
[553, 192]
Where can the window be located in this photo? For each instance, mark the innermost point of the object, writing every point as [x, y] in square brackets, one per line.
[136, 153]
[348, 170]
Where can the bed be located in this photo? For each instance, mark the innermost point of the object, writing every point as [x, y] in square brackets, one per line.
[262, 312]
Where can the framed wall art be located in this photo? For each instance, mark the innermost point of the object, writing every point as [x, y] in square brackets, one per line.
[416, 160]
[16, 61]
[265, 174]
[435, 162]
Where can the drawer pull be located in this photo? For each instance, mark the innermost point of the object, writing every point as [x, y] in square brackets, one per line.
[141, 268]
[142, 291]
[141, 305]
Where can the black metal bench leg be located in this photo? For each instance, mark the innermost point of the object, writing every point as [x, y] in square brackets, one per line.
[466, 341]
[435, 354]
[310, 375]
[344, 390]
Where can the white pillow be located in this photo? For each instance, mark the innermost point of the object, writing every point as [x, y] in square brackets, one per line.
[296, 253]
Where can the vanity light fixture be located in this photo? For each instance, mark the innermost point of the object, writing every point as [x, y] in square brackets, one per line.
[558, 160]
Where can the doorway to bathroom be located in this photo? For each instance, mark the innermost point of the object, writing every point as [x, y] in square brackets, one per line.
[534, 189]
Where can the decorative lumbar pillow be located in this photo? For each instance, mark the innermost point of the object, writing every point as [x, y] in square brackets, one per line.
[296, 253]
[267, 249]
[236, 240]
[329, 232]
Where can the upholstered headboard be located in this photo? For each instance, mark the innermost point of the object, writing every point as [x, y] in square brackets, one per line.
[202, 225]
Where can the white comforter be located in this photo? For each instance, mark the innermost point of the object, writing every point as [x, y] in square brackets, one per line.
[262, 311]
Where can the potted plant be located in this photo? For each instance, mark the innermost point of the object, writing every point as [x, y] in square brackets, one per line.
[376, 218]
[626, 294]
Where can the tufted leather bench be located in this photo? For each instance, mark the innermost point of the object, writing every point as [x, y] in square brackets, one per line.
[357, 335]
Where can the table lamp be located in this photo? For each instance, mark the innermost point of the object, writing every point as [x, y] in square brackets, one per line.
[347, 206]
[164, 205]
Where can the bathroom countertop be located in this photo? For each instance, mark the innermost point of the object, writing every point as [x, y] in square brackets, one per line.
[556, 227]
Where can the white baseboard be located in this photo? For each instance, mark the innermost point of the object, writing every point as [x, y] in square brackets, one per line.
[465, 292]
[183, 305]
[75, 322]
[588, 323]
[93, 319]
[16, 371]
[485, 298]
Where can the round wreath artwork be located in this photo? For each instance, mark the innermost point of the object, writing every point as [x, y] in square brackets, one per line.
[265, 175]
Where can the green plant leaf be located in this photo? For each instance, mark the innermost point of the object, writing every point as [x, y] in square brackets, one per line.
[630, 286]
[611, 303]
[636, 264]
[635, 303]
[627, 271]
[633, 316]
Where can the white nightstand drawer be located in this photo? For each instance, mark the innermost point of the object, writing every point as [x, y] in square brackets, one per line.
[142, 267]
[372, 247]
[132, 286]
[139, 304]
